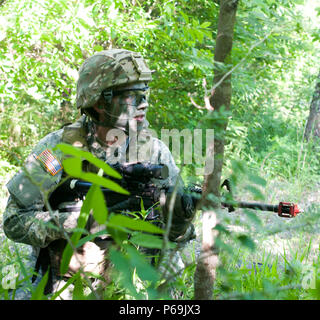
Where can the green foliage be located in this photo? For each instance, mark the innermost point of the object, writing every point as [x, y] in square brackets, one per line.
[38, 293]
[43, 44]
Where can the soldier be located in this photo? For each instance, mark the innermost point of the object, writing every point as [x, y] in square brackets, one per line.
[112, 94]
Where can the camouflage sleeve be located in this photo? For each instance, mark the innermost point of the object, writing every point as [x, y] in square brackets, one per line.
[34, 226]
[25, 218]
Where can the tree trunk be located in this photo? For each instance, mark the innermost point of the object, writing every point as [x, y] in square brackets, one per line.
[313, 123]
[206, 267]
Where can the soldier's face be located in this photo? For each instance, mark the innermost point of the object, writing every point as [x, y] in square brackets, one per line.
[128, 107]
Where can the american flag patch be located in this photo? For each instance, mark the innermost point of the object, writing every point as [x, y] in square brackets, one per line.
[50, 162]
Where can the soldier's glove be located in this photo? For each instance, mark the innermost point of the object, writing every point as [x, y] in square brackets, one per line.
[182, 215]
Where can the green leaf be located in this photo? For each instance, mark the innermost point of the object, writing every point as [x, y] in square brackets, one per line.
[253, 217]
[90, 237]
[205, 24]
[97, 48]
[149, 241]
[143, 211]
[121, 221]
[73, 166]
[101, 181]
[100, 211]
[38, 294]
[78, 293]
[185, 17]
[84, 23]
[122, 264]
[144, 269]
[68, 149]
[118, 234]
[247, 241]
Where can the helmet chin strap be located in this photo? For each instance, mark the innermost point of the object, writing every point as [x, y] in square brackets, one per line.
[108, 95]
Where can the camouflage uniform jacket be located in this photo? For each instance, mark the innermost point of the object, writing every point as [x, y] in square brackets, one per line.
[25, 218]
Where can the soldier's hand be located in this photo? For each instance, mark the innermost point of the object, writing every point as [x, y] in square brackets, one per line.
[182, 214]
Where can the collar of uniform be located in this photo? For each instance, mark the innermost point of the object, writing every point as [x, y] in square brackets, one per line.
[101, 150]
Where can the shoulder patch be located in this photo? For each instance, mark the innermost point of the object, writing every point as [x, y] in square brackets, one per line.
[49, 162]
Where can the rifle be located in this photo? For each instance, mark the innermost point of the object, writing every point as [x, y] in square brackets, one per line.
[284, 209]
[137, 180]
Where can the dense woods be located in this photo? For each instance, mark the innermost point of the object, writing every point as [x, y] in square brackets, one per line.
[251, 75]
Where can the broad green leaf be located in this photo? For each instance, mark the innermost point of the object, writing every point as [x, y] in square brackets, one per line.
[106, 183]
[100, 211]
[90, 237]
[253, 217]
[144, 269]
[149, 241]
[119, 220]
[68, 149]
[73, 166]
[122, 264]
[205, 24]
[84, 24]
[185, 16]
[219, 243]
[78, 293]
[118, 234]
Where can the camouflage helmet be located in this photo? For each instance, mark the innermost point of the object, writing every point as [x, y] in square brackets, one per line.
[108, 69]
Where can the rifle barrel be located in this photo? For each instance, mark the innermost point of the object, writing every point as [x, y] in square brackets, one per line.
[258, 206]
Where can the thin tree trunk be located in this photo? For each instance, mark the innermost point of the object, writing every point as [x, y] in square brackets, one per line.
[313, 123]
[206, 267]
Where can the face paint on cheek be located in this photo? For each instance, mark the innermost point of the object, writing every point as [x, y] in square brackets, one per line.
[127, 108]
[121, 113]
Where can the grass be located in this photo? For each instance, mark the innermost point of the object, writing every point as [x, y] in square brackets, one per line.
[283, 264]
[287, 250]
